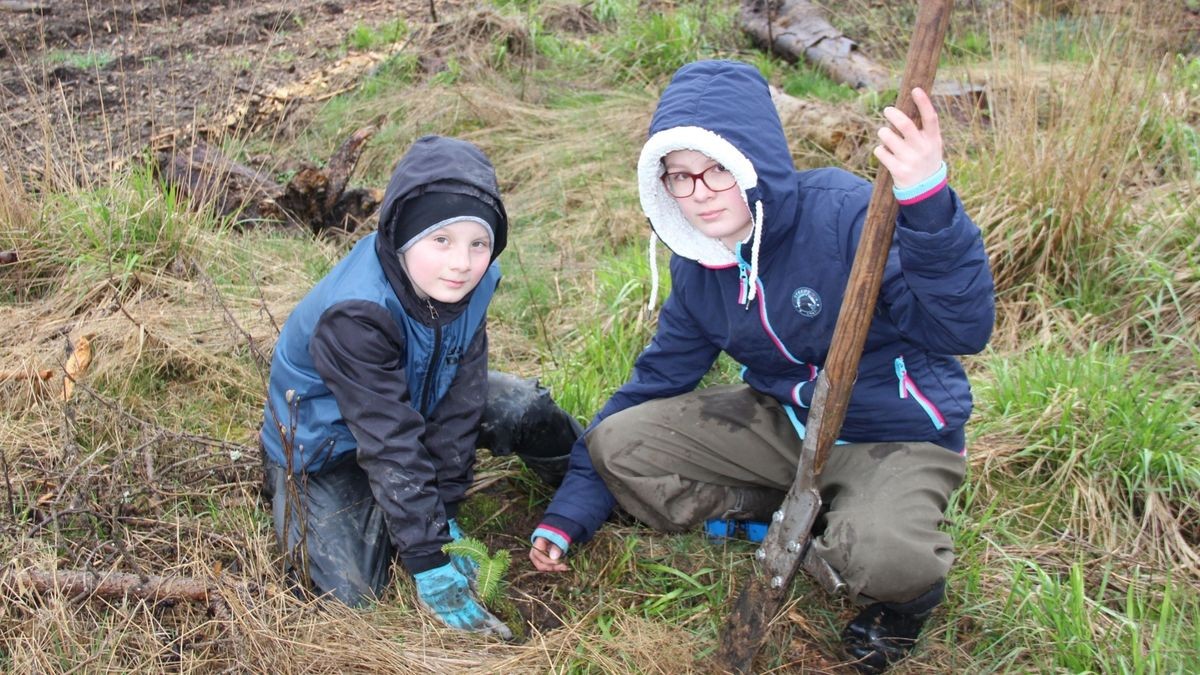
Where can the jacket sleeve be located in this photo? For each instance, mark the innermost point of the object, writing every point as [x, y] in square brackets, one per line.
[453, 427]
[359, 352]
[674, 363]
[937, 285]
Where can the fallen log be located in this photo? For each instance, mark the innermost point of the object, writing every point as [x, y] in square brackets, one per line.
[20, 7]
[797, 29]
[836, 129]
[204, 176]
[117, 585]
[315, 198]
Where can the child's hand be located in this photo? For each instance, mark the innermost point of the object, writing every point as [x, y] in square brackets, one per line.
[547, 557]
[913, 154]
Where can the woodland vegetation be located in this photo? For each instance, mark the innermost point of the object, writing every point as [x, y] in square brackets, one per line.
[139, 308]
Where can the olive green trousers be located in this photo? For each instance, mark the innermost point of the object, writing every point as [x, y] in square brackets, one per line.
[729, 451]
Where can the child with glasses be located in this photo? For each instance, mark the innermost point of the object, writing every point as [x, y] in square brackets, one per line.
[762, 254]
[379, 394]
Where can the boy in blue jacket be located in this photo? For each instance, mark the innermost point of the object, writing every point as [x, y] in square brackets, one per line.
[762, 253]
[379, 394]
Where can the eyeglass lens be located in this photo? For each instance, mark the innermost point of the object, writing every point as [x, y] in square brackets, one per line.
[682, 184]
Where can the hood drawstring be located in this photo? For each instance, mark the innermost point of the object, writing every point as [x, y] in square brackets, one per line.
[752, 291]
[748, 290]
[653, 271]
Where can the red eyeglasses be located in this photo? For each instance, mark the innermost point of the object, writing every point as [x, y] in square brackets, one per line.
[683, 184]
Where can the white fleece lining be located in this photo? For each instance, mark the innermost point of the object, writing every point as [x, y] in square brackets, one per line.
[662, 209]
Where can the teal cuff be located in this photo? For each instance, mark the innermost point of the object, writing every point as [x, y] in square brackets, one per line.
[927, 185]
[553, 536]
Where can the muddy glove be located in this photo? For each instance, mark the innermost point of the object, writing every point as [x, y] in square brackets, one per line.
[465, 566]
[444, 592]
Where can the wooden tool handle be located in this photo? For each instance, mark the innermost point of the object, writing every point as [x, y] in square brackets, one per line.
[790, 534]
[862, 289]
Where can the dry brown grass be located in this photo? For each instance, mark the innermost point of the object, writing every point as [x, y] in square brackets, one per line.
[270, 630]
[122, 483]
[1080, 200]
[1083, 142]
[152, 468]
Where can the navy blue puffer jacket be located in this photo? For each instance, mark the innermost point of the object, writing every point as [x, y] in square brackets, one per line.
[772, 303]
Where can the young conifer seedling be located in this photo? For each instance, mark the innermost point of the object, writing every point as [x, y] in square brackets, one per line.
[489, 579]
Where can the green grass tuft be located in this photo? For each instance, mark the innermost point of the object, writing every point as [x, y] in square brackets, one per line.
[366, 38]
[89, 60]
[1101, 415]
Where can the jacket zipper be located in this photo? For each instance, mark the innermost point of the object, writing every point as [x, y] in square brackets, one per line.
[431, 371]
[909, 387]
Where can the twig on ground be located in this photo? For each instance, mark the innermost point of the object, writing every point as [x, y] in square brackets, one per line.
[260, 359]
[113, 585]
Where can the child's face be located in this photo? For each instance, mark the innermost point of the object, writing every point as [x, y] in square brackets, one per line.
[447, 263]
[721, 215]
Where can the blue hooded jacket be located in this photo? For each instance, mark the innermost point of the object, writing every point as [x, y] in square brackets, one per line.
[367, 370]
[773, 302]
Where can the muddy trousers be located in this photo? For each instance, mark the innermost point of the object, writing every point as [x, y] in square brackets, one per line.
[729, 451]
[336, 534]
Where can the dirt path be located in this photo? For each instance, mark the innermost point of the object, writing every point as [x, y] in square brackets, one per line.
[93, 82]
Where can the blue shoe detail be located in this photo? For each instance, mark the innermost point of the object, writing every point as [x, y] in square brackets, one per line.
[720, 528]
[756, 531]
[723, 528]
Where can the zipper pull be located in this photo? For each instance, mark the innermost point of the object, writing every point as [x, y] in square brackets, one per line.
[744, 295]
[901, 375]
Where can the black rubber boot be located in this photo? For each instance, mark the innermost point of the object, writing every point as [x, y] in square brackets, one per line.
[751, 503]
[266, 490]
[551, 470]
[522, 418]
[885, 632]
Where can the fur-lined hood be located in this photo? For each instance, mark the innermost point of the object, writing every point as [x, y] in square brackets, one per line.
[724, 110]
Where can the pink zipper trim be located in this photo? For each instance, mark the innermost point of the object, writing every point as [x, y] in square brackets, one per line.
[908, 386]
[766, 324]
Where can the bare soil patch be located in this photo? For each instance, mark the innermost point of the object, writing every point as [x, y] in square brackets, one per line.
[85, 85]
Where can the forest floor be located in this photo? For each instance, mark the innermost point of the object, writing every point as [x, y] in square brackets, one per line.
[1077, 533]
[93, 85]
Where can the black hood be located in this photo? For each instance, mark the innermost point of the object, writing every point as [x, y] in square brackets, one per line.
[435, 164]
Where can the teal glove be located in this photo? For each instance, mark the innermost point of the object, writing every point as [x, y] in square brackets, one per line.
[445, 593]
[465, 566]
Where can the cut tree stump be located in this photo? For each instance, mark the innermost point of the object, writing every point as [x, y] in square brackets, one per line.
[316, 198]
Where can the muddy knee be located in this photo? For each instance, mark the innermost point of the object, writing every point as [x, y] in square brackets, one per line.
[614, 445]
[885, 561]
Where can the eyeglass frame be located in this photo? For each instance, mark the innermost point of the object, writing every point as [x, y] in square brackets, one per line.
[695, 177]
